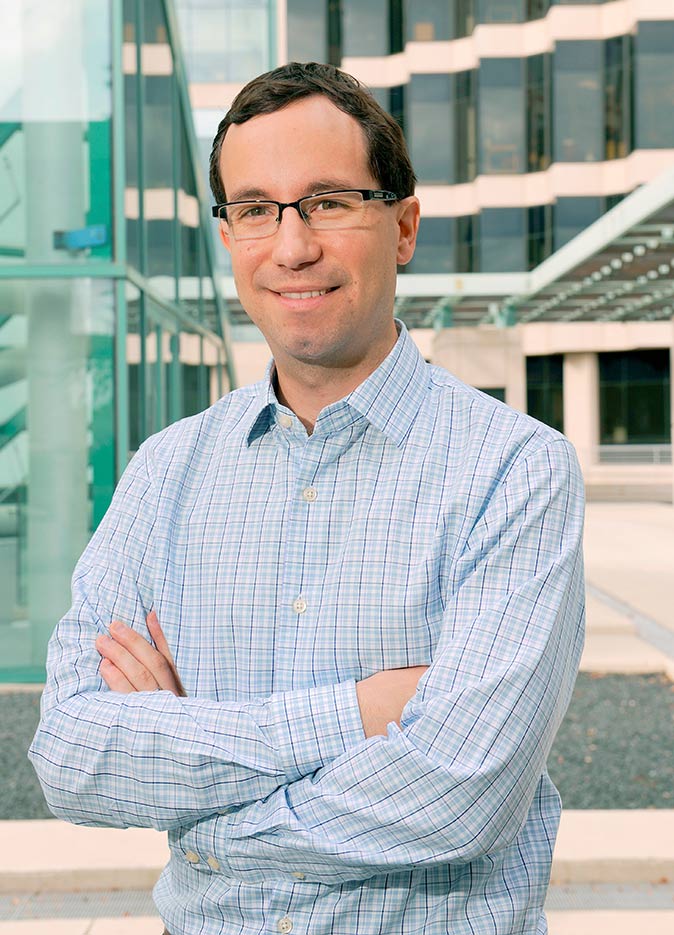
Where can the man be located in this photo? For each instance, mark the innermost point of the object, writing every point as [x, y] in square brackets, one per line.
[365, 574]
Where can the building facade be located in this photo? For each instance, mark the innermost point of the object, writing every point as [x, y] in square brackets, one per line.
[527, 121]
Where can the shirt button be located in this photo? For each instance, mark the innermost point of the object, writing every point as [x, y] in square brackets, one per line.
[299, 606]
[213, 863]
[286, 421]
[299, 876]
[285, 925]
[310, 494]
[192, 857]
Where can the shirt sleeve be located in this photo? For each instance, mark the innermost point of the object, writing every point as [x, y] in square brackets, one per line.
[457, 779]
[151, 759]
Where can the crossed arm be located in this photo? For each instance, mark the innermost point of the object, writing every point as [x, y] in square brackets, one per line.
[330, 777]
[131, 663]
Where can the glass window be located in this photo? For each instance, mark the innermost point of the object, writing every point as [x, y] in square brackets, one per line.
[617, 107]
[467, 257]
[538, 112]
[503, 241]
[430, 130]
[464, 17]
[536, 9]
[428, 20]
[56, 451]
[545, 389]
[56, 114]
[654, 86]
[435, 247]
[573, 215]
[307, 31]
[500, 11]
[634, 397]
[539, 237]
[228, 40]
[578, 102]
[501, 116]
[465, 137]
[365, 27]
[496, 392]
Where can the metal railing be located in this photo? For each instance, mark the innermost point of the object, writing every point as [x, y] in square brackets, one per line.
[635, 454]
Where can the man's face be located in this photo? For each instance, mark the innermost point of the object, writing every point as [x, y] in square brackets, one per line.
[308, 147]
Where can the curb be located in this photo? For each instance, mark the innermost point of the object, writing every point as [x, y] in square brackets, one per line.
[52, 856]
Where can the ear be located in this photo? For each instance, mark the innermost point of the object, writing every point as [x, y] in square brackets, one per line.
[224, 238]
[409, 212]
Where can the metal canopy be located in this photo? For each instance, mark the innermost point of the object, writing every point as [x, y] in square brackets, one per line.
[621, 268]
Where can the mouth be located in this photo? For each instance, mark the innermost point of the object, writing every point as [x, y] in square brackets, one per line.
[307, 294]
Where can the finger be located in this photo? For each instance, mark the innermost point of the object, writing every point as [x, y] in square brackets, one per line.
[137, 670]
[113, 678]
[157, 635]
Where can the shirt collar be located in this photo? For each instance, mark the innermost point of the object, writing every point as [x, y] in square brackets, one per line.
[389, 398]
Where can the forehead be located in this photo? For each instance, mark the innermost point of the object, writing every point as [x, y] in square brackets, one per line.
[282, 153]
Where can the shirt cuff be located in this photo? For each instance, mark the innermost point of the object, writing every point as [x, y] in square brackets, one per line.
[314, 726]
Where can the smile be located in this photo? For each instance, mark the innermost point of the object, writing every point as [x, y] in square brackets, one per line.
[304, 295]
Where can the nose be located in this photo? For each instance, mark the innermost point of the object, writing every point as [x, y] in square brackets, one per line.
[295, 244]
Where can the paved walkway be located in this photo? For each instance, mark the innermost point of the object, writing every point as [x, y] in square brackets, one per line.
[629, 550]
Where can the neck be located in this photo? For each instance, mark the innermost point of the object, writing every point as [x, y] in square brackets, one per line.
[307, 389]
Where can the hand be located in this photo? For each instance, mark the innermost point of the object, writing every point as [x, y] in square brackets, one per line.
[383, 696]
[132, 664]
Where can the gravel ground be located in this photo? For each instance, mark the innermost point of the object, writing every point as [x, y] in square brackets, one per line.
[615, 748]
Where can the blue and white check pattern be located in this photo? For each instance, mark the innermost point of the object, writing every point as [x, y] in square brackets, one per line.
[421, 522]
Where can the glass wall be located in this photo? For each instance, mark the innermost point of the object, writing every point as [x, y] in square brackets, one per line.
[307, 31]
[634, 397]
[578, 102]
[431, 134]
[435, 251]
[502, 242]
[572, 215]
[545, 389]
[372, 27]
[654, 126]
[105, 333]
[229, 40]
[501, 116]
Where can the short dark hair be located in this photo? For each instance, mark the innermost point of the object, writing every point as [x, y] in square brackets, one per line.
[388, 157]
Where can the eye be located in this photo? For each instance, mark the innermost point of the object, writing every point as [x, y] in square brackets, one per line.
[251, 212]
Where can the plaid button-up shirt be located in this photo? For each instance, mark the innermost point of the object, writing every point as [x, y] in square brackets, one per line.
[421, 523]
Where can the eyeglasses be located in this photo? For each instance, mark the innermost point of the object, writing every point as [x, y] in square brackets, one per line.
[339, 210]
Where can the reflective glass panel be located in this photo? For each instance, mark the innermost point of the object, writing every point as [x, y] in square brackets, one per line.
[365, 27]
[501, 116]
[503, 242]
[545, 389]
[578, 102]
[307, 31]
[538, 112]
[428, 20]
[572, 215]
[634, 397]
[435, 247]
[617, 88]
[430, 127]
[654, 85]
[56, 451]
[55, 122]
[228, 40]
[500, 11]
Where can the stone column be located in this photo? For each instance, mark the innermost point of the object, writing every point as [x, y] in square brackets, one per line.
[581, 406]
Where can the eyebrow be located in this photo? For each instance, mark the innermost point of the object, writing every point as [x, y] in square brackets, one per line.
[314, 188]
